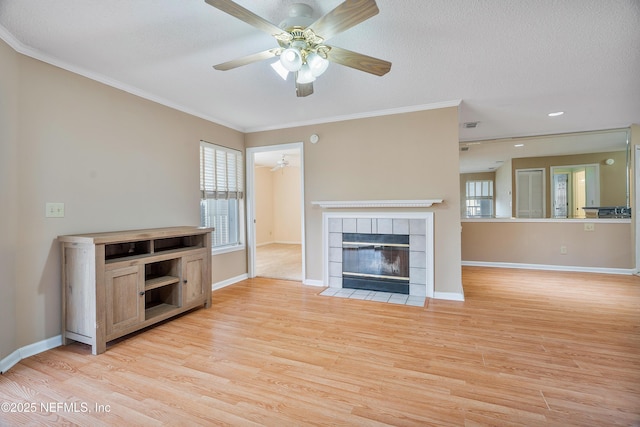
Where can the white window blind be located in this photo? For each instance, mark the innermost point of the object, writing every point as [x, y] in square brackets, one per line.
[221, 172]
[222, 191]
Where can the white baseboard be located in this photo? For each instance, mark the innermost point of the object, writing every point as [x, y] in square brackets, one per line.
[451, 296]
[312, 282]
[230, 281]
[8, 362]
[625, 271]
[29, 350]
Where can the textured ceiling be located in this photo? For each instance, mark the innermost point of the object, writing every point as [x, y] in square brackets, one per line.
[508, 62]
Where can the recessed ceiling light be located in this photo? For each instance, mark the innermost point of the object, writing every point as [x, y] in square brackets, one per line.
[556, 114]
[519, 145]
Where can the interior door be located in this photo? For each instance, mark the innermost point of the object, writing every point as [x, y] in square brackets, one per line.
[579, 193]
[560, 195]
[530, 193]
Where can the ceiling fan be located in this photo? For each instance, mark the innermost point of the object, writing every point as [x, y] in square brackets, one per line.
[301, 41]
[280, 164]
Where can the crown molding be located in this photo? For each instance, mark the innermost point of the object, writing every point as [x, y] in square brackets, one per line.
[36, 54]
[365, 115]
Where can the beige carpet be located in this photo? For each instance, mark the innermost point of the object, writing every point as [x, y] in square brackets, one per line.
[279, 261]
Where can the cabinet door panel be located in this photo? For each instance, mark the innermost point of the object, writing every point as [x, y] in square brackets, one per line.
[125, 305]
[193, 274]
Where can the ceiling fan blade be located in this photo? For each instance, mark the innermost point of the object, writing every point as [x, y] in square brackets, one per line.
[343, 17]
[359, 61]
[303, 89]
[245, 15]
[245, 60]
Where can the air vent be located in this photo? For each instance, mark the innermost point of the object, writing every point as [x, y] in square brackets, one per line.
[470, 125]
[464, 148]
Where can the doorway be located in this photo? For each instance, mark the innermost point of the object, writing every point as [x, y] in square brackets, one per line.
[574, 187]
[275, 212]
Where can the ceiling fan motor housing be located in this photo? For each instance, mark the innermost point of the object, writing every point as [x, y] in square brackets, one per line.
[299, 16]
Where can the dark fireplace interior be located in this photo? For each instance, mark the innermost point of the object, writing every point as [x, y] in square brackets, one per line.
[376, 262]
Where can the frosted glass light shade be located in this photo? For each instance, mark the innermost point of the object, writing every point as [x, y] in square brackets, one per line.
[279, 68]
[317, 64]
[305, 75]
[291, 59]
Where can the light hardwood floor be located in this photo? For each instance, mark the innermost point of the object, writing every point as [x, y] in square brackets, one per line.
[526, 348]
[279, 261]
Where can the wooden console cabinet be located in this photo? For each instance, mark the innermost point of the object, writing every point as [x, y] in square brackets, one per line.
[116, 283]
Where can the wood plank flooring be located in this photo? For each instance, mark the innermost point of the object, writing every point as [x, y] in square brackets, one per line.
[526, 348]
[279, 261]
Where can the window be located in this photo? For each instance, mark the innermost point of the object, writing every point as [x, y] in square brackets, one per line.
[479, 199]
[222, 193]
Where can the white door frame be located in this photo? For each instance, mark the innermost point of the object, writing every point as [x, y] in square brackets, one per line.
[636, 201]
[251, 203]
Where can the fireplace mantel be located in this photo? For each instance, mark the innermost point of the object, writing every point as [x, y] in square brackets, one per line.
[342, 204]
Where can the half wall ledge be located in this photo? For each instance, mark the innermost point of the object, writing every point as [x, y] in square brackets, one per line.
[345, 204]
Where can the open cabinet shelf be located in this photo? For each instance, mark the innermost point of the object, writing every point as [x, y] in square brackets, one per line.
[158, 282]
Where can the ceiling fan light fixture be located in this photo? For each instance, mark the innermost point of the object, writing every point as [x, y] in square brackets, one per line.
[317, 64]
[305, 75]
[291, 59]
[300, 49]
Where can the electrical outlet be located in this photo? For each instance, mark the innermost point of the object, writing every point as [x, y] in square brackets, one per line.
[589, 226]
[54, 210]
[563, 250]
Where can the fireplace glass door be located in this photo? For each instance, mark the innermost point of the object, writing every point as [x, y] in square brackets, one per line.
[378, 262]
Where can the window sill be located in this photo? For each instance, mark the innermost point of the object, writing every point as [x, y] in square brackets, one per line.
[227, 249]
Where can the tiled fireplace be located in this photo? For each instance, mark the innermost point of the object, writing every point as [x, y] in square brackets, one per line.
[413, 267]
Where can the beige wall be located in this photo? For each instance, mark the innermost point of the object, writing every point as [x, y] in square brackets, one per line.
[403, 156]
[612, 178]
[286, 205]
[277, 205]
[117, 162]
[503, 190]
[9, 220]
[263, 205]
[608, 246]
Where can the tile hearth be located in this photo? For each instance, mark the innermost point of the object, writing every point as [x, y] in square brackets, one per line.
[387, 297]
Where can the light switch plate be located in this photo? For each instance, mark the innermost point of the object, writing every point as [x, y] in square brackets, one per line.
[54, 210]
